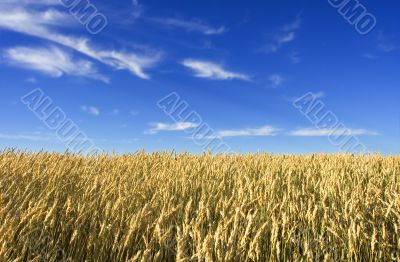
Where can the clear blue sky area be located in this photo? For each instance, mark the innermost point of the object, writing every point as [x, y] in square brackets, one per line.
[239, 65]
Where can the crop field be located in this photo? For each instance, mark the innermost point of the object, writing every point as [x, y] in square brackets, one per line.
[183, 207]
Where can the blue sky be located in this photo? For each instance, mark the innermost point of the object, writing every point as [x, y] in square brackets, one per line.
[239, 65]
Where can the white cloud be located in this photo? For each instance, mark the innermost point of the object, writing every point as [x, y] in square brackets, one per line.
[195, 25]
[312, 132]
[206, 69]
[29, 21]
[279, 41]
[276, 80]
[179, 126]
[126, 141]
[51, 61]
[284, 36]
[42, 24]
[294, 25]
[30, 137]
[31, 2]
[262, 131]
[91, 110]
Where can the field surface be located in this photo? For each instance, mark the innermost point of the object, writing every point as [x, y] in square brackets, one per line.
[181, 207]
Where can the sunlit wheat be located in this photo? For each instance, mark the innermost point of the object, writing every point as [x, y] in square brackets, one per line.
[182, 207]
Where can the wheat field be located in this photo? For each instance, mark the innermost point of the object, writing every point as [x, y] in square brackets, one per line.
[183, 207]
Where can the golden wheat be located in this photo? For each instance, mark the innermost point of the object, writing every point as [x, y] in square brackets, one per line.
[182, 207]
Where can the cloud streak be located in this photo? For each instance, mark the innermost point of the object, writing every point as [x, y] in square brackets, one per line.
[311, 132]
[276, 80]
[249, 132]
[285, 35]
[192, 25]
[91, 110]
[31, 2]
[43, 24]
[30, 137]
[210, 70]
[195, 25]
[137, 9]
[162, 127]
[385, 44]
[51, 61]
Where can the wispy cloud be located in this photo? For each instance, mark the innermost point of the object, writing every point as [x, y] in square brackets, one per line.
[46, 24]
[91, 110]
[189, 25]
[179, 126]
[27, 20]
[30, 137]
[126, 141]
[194, 25]
[313, 132]
[31, 80]
[294, 25]
[283, 36]
[385, 43]
[115, 112]
[276, 80]
[134, 113]
[294, 57]
[51, 61]
[249, 132]
[370, 56]
[31, 2]
[206, 69]
[137, 9]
